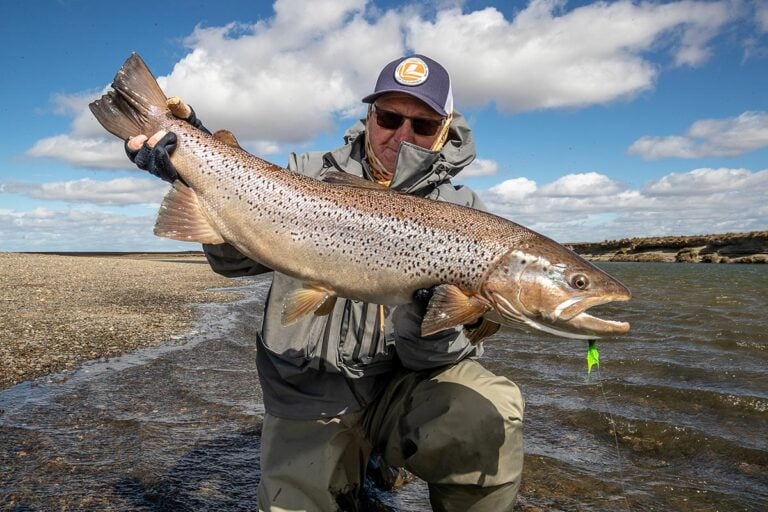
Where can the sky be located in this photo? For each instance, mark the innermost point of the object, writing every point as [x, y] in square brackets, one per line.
[593, 120]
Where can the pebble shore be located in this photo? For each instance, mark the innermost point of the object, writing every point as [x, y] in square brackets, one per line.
[58, 311]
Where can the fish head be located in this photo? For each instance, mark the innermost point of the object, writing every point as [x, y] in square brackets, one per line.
[550, 288]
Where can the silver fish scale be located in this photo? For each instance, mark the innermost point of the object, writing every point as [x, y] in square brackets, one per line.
[369, 233]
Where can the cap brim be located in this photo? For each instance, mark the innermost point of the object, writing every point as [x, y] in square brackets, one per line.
[434, 106]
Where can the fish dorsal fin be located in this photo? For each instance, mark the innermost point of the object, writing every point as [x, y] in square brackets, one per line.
[227, 137]
[182, 218]
[312, 298]
[350, 180]
[485, 329]
[449, 307]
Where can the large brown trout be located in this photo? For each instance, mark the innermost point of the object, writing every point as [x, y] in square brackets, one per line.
[347, 237]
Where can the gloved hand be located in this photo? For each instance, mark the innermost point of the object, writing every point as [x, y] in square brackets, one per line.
[421, 299]
[154, 154]
[154, 157]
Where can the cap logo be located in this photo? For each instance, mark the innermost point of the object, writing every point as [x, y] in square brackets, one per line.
[412, 71]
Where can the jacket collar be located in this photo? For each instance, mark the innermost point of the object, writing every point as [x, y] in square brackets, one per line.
[418, 169]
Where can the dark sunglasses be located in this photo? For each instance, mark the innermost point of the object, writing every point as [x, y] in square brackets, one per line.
[392, 121]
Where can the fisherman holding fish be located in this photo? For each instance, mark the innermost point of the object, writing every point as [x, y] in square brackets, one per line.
[363, 379]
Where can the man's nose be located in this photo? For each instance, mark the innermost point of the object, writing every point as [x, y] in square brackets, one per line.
[404, 132]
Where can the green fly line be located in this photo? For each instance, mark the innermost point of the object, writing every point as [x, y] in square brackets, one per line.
[593, 359]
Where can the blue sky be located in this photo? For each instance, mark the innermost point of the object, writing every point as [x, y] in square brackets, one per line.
[592, 120]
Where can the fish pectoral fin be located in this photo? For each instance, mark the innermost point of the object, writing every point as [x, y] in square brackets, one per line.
[485, 329]
[182, 218]
[350, 180]
[309, 299]
[449, 307]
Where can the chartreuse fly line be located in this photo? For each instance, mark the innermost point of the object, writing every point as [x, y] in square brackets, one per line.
[593, 359]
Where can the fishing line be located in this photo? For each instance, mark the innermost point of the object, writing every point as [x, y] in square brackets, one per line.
[593, 359]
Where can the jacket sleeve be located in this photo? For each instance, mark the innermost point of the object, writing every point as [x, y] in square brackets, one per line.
[423, 353]
[228, 261]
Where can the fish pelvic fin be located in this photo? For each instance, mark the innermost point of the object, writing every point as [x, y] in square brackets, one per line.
[312, 298]
[449, 307]
[485, 329]
[182, 218]
[134, 104]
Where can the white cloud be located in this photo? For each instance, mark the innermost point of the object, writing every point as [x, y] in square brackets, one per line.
[705, 182]
[93, 153]
[43, 229]
[544, 59]
[290, 78]
[699, 201]
[120, 191]
[709, 137]
[479, 167]
[761, 15]
[581, 185]
[515, 189]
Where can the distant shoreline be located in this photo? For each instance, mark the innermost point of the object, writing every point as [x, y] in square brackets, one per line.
[747, 247]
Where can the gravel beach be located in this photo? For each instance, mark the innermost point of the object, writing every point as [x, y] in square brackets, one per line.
[57, 311]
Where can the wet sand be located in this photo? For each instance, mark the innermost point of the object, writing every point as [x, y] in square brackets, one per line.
[58, 311]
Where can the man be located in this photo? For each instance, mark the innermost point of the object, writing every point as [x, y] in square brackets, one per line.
[362, 379]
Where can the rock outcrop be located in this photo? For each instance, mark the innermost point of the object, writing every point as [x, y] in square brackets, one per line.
[751, 247]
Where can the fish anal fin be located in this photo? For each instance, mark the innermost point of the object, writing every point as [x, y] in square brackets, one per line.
[312, 298]
[449, 307]
[485, 329]
[350, 180]
[182, 218]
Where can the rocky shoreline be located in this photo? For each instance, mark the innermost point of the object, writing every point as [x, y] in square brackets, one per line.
[58, 311]
[749, 247]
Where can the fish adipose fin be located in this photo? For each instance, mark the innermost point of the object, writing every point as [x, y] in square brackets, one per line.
[310, 299]
[449, 307]
[135, 104]
[182, 218]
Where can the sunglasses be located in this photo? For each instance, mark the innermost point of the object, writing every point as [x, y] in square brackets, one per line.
[392, 121]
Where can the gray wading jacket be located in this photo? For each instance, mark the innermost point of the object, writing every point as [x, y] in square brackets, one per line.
[330, 365]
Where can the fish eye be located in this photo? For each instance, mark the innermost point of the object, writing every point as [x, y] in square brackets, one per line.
[580, 281]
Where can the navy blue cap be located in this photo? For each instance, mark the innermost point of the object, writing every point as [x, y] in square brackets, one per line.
[418, 76]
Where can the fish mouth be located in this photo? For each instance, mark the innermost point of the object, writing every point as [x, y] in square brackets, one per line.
[569, 319]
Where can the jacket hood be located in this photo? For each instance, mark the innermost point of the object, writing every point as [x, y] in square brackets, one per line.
[418, 168]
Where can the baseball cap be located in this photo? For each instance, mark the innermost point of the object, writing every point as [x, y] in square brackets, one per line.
[420, 77]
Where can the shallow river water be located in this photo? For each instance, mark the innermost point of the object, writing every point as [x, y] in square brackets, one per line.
[675, 419]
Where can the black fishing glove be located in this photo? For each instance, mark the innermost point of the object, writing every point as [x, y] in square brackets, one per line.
[194, 121]
[421, 298]
[156, 160]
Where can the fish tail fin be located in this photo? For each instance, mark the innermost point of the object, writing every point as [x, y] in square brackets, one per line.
[136, 103]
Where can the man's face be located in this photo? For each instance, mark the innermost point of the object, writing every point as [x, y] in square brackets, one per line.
[386, 142]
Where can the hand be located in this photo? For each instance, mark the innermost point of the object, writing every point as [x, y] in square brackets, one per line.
[154, 154]
[183, 111]
[421, 299]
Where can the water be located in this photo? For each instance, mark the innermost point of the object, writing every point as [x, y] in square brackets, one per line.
[676, 418]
